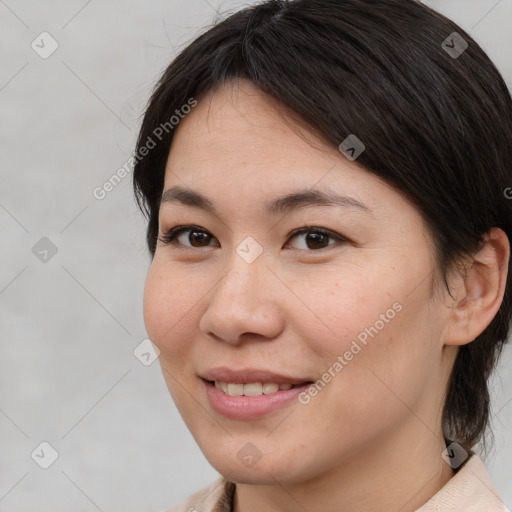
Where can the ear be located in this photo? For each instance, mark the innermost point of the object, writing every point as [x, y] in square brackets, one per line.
[479, 294]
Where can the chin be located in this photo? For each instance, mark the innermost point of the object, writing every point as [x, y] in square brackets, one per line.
[246, 466]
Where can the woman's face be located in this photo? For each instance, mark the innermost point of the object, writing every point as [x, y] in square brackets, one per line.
[243, 297]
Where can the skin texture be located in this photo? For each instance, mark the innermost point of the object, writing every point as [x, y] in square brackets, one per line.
[371, 440]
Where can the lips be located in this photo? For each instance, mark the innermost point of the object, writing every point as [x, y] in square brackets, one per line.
[251, 375]
[239, 394]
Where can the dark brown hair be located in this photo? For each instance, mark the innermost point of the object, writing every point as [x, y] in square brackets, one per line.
[436, 126]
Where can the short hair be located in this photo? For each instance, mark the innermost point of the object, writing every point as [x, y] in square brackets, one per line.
[436, 124]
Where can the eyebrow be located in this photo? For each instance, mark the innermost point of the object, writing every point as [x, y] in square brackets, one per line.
[287, 203]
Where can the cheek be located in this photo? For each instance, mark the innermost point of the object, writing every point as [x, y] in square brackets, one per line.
[353, 307]
[168, 309]
[373, 339]
[168, 318]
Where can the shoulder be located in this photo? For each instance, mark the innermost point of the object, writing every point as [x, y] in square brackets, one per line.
[469, 490]
[213, 498]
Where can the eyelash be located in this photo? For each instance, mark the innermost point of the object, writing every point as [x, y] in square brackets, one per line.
[169, 238]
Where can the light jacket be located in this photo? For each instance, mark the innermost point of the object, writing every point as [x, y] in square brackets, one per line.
[469, 490]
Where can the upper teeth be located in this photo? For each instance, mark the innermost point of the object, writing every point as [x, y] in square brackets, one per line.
[252, 389]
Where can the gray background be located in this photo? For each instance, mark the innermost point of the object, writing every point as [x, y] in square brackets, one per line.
[68, 375]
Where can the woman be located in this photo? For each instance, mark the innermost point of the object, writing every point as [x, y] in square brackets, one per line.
[325, 186]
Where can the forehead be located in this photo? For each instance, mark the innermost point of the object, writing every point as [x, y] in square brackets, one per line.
[240, 132]
[242, 146]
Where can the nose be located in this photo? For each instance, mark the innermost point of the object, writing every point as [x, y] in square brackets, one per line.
[242, 305]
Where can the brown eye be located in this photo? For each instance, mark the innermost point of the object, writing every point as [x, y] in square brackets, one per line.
[316, 238]
[194, 237]
[200, 237]
[184, 235]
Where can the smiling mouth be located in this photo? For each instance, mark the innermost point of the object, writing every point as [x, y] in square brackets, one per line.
[251, 399]
[254, 388]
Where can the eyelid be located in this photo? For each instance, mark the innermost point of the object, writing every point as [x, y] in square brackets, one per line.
[315, 229]
[169, 237]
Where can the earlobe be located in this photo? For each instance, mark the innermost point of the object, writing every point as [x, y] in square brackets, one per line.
[481, 289]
